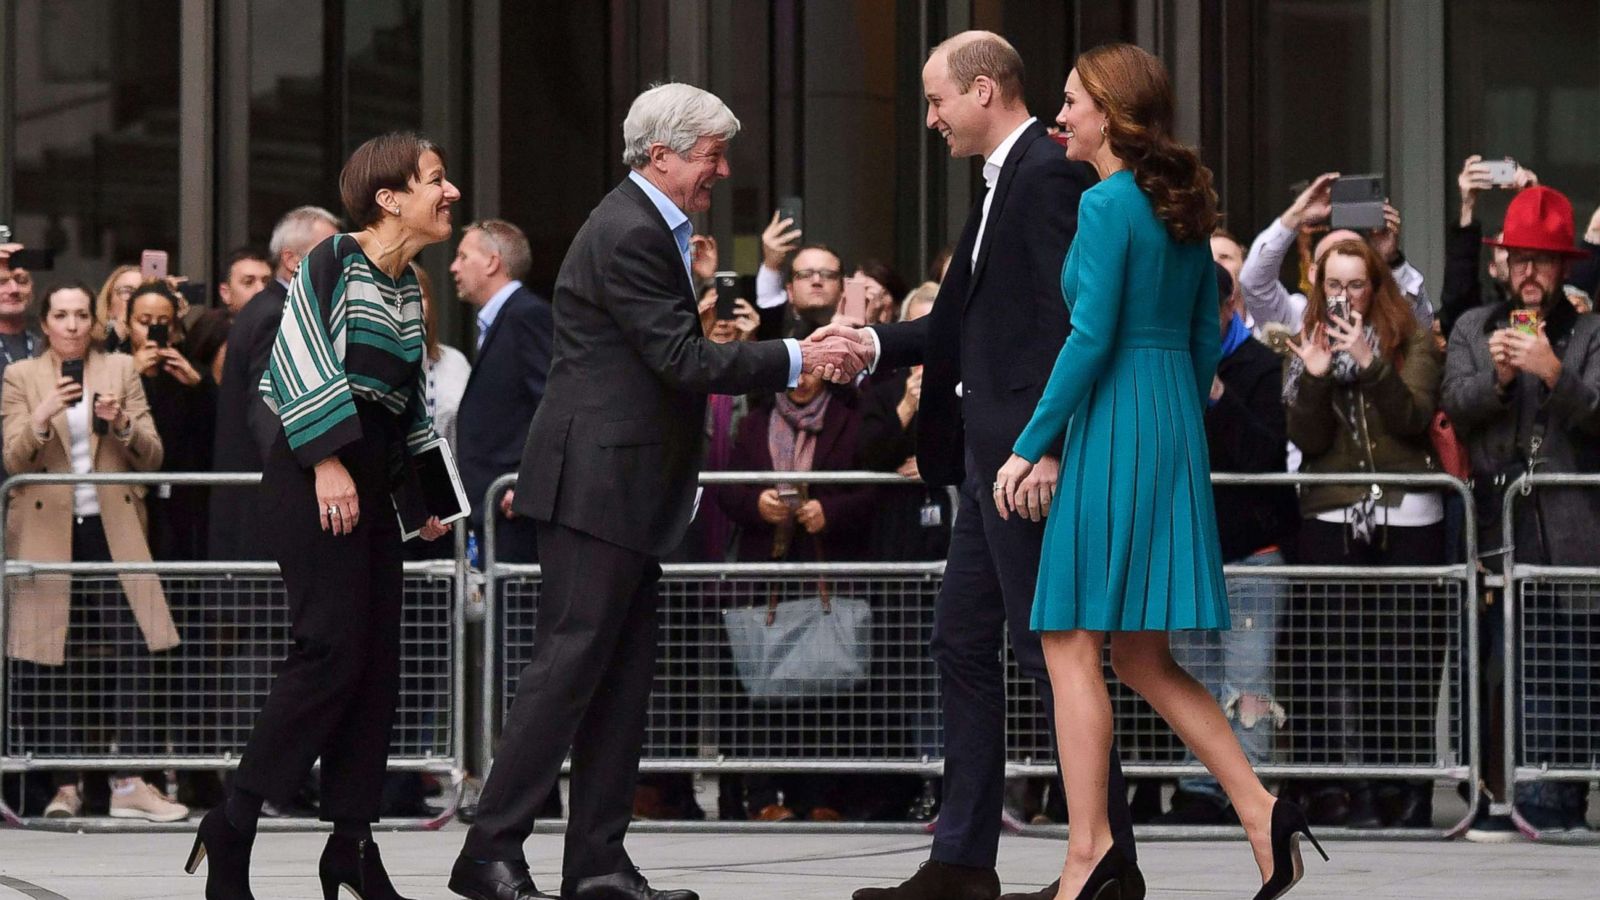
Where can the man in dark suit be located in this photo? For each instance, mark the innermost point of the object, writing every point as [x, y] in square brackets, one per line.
[987, 350]
[246, 428]
[609, 477]
[508, 377]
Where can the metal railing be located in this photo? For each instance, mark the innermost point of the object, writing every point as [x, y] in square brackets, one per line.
[1552, 653]
[702, 720]
[112, 705]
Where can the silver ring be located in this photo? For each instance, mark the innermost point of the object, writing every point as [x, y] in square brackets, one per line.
[333, 511]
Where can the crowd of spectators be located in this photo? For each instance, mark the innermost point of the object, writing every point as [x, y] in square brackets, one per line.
[1344, 366]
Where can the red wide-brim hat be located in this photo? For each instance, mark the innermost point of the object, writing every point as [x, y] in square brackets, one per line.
[1539, 220]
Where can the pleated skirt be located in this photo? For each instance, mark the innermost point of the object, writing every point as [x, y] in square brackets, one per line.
[1131, 540]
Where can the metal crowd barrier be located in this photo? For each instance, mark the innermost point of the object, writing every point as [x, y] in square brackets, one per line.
[1365, 665]
[115, 705]
[1552, 654]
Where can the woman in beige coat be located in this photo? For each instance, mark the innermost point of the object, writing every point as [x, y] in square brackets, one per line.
[76, 643]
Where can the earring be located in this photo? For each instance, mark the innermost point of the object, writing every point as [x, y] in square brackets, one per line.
[1102, 129]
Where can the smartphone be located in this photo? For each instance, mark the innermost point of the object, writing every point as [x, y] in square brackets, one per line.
[792, 208]
[1357, 202]
[153, 264]
[34, 260]
[193, 292]
[159, 334]
[854, 304]
[1502, 172]
[1525, 320]
[727, 293]
[99, 425]
[1339, 307]
[73, 368]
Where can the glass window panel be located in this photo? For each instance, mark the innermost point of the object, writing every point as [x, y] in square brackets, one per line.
[289, 162]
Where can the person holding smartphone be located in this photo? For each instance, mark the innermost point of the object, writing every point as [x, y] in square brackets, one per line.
[1361, 391]
[63, 637]
[183, 402]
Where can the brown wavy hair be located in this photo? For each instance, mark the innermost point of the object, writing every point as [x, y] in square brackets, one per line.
[1388, 311]
[1131, 87]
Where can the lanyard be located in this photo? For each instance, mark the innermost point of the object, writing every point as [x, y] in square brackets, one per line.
[27, 342]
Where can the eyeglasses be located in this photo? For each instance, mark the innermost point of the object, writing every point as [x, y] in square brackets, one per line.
[124, 290]
[824, 274]
[1334, 287]
[1530, 260]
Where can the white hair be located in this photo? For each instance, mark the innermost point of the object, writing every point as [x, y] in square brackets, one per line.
[293, 231]
[676, 115]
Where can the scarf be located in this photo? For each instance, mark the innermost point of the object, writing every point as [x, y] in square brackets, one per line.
[792, 432]
[1237, 334]
[1343, 371]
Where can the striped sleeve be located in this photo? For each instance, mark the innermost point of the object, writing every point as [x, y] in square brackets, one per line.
[305, 381]
[419, 423]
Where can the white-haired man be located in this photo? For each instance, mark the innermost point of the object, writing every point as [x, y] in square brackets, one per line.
[245, 427]
[608, 476]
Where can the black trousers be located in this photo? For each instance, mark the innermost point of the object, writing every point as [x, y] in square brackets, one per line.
[334, 696]
[987, 593]
[587, 689]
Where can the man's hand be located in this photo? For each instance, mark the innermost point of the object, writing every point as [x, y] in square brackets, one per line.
[1500, 354]
[909, 469]
[836, 359]
[1217, 389]
[1533, 354]
[771, 508]
[810, 516]
[1314, 204]
[778, 240]
[506, 500]
[703, 256]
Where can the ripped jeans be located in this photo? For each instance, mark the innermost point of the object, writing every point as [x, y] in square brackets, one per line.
[1236, 666]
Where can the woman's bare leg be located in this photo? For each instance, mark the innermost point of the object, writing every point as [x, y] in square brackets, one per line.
[1083, 740]
[1143, 661]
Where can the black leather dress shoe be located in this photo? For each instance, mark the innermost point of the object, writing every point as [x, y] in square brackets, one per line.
[936, 880]
[629, 885]
[494, 880]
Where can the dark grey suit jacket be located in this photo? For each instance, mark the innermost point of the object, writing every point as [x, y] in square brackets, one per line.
[614, 450]
[246, 427]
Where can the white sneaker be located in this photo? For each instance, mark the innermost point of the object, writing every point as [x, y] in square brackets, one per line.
[66, 804]
[135, 798]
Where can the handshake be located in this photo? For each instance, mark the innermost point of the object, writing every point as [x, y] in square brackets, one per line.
[836, 353]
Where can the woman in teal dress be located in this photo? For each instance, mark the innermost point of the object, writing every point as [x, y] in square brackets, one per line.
[1131, 549]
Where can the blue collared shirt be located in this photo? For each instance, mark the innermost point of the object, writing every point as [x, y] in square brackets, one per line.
[491, 310]
[682, 231]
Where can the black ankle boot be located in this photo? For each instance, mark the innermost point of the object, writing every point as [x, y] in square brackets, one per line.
[356, 866]
[228, 873]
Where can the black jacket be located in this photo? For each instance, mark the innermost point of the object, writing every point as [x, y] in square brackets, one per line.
[1246, 431]
[899, 531]
[503, 393]
[246, 427]
[614, 450]
[185, 418]
[997, 327]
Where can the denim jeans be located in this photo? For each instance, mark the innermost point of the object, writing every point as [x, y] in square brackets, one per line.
[1236, 666]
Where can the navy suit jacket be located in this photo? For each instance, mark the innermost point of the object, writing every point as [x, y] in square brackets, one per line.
[997, 327]
[504, 391]
[246, 427]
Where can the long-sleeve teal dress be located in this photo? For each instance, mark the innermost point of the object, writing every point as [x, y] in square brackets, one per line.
[1131, 540]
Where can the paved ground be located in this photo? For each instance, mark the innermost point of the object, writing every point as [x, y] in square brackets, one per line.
[44, 865]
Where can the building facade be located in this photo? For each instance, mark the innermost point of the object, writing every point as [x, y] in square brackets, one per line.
[191, 125]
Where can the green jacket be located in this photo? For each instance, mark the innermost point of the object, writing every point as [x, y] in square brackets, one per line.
[1391, 410]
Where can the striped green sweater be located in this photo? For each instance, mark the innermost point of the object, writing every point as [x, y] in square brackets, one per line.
[349, 333]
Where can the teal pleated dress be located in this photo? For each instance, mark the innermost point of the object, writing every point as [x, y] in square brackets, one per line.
[1131, 540]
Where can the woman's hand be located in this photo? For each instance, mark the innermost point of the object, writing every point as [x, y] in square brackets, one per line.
[68, 391]
[1351, 337]
[746, 319]
[108, 409]
[1313, 351]
[337, 506]
[771, 508]
[178, 366]
[1007, 482]
[146, 358]
[433, 529]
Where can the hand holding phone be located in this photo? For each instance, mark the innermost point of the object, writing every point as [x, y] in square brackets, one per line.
[1525, 321]
[854, 305]
[1339, 308]
[73, 368]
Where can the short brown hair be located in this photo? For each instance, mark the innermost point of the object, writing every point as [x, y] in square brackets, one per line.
[387, 161]
[973, 53]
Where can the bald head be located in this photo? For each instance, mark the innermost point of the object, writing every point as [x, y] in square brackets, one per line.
[971, 55]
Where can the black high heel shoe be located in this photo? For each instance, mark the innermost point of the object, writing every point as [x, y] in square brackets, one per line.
[1107, 879]
[228, 875]
[1288, 824]
[355, 866]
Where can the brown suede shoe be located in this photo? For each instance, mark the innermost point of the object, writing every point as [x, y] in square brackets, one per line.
[940, 881]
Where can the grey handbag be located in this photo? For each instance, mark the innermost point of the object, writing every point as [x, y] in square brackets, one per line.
[797, 649]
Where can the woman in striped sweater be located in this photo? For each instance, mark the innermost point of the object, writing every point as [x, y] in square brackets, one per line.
[345, 378]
